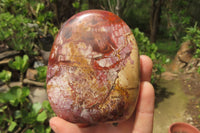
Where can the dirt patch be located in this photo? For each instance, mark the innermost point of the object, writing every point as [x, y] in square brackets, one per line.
[170, 104]
[191, 86]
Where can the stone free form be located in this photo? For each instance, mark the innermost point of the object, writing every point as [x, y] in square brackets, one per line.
[93, 69]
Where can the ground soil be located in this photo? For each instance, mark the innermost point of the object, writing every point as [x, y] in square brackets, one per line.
[171, 103]
[177, 99]
[191, 86]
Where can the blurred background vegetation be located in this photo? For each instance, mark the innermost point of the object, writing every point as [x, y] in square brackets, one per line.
[28, 28]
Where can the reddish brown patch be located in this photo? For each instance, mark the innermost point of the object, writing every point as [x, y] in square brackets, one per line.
[87, 54]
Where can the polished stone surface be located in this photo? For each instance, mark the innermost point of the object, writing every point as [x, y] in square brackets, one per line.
[93, 69]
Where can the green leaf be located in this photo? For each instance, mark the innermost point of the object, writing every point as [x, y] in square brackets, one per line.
[153, 57]
[38, 8]
[198, 70]
[3, 108]
[84, 7]
[10, 96]
[12, 126]
[18, 114]
[20, 63]
[25, 63]
[29, 131]
[42, 116]
[167, 60]
[48, 130]
[39, 129]
[2, 98]
[76, 4]
[5, 76]
[36, 107]
[2, 118]
[41, 73]
[25, 92]
[15, 95]
[18, 93]
[28, 117]
[46, 105]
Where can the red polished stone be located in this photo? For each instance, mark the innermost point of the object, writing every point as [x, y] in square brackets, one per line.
[93, 69]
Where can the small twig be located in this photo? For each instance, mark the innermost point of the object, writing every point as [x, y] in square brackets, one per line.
[45, 29]
[117, 8]
[8, 84]
[26, 128]
[27, 81]
[8, 54]
[102, 7]
[5, 61]
[21, 78]
[111, 9]
[6, 131]
[32, 10]
[18, 130]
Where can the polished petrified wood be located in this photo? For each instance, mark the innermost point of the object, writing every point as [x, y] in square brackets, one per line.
[93, 69]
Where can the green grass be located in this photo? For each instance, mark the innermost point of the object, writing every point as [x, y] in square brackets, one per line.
[167, 47]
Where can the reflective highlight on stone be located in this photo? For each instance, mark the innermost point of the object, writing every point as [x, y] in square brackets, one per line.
[93, 69]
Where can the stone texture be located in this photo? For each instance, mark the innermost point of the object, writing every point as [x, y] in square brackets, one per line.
[38, 94]
[192, 65]
[186, 51]
[31, 74]
[169, 75]
[183, 56]
[93, 69]
[4, 88]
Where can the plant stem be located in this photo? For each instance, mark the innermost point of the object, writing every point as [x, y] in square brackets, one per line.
[8, 85]
[18, 130]
[26, 128]
[21, 78]
[117, 8]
